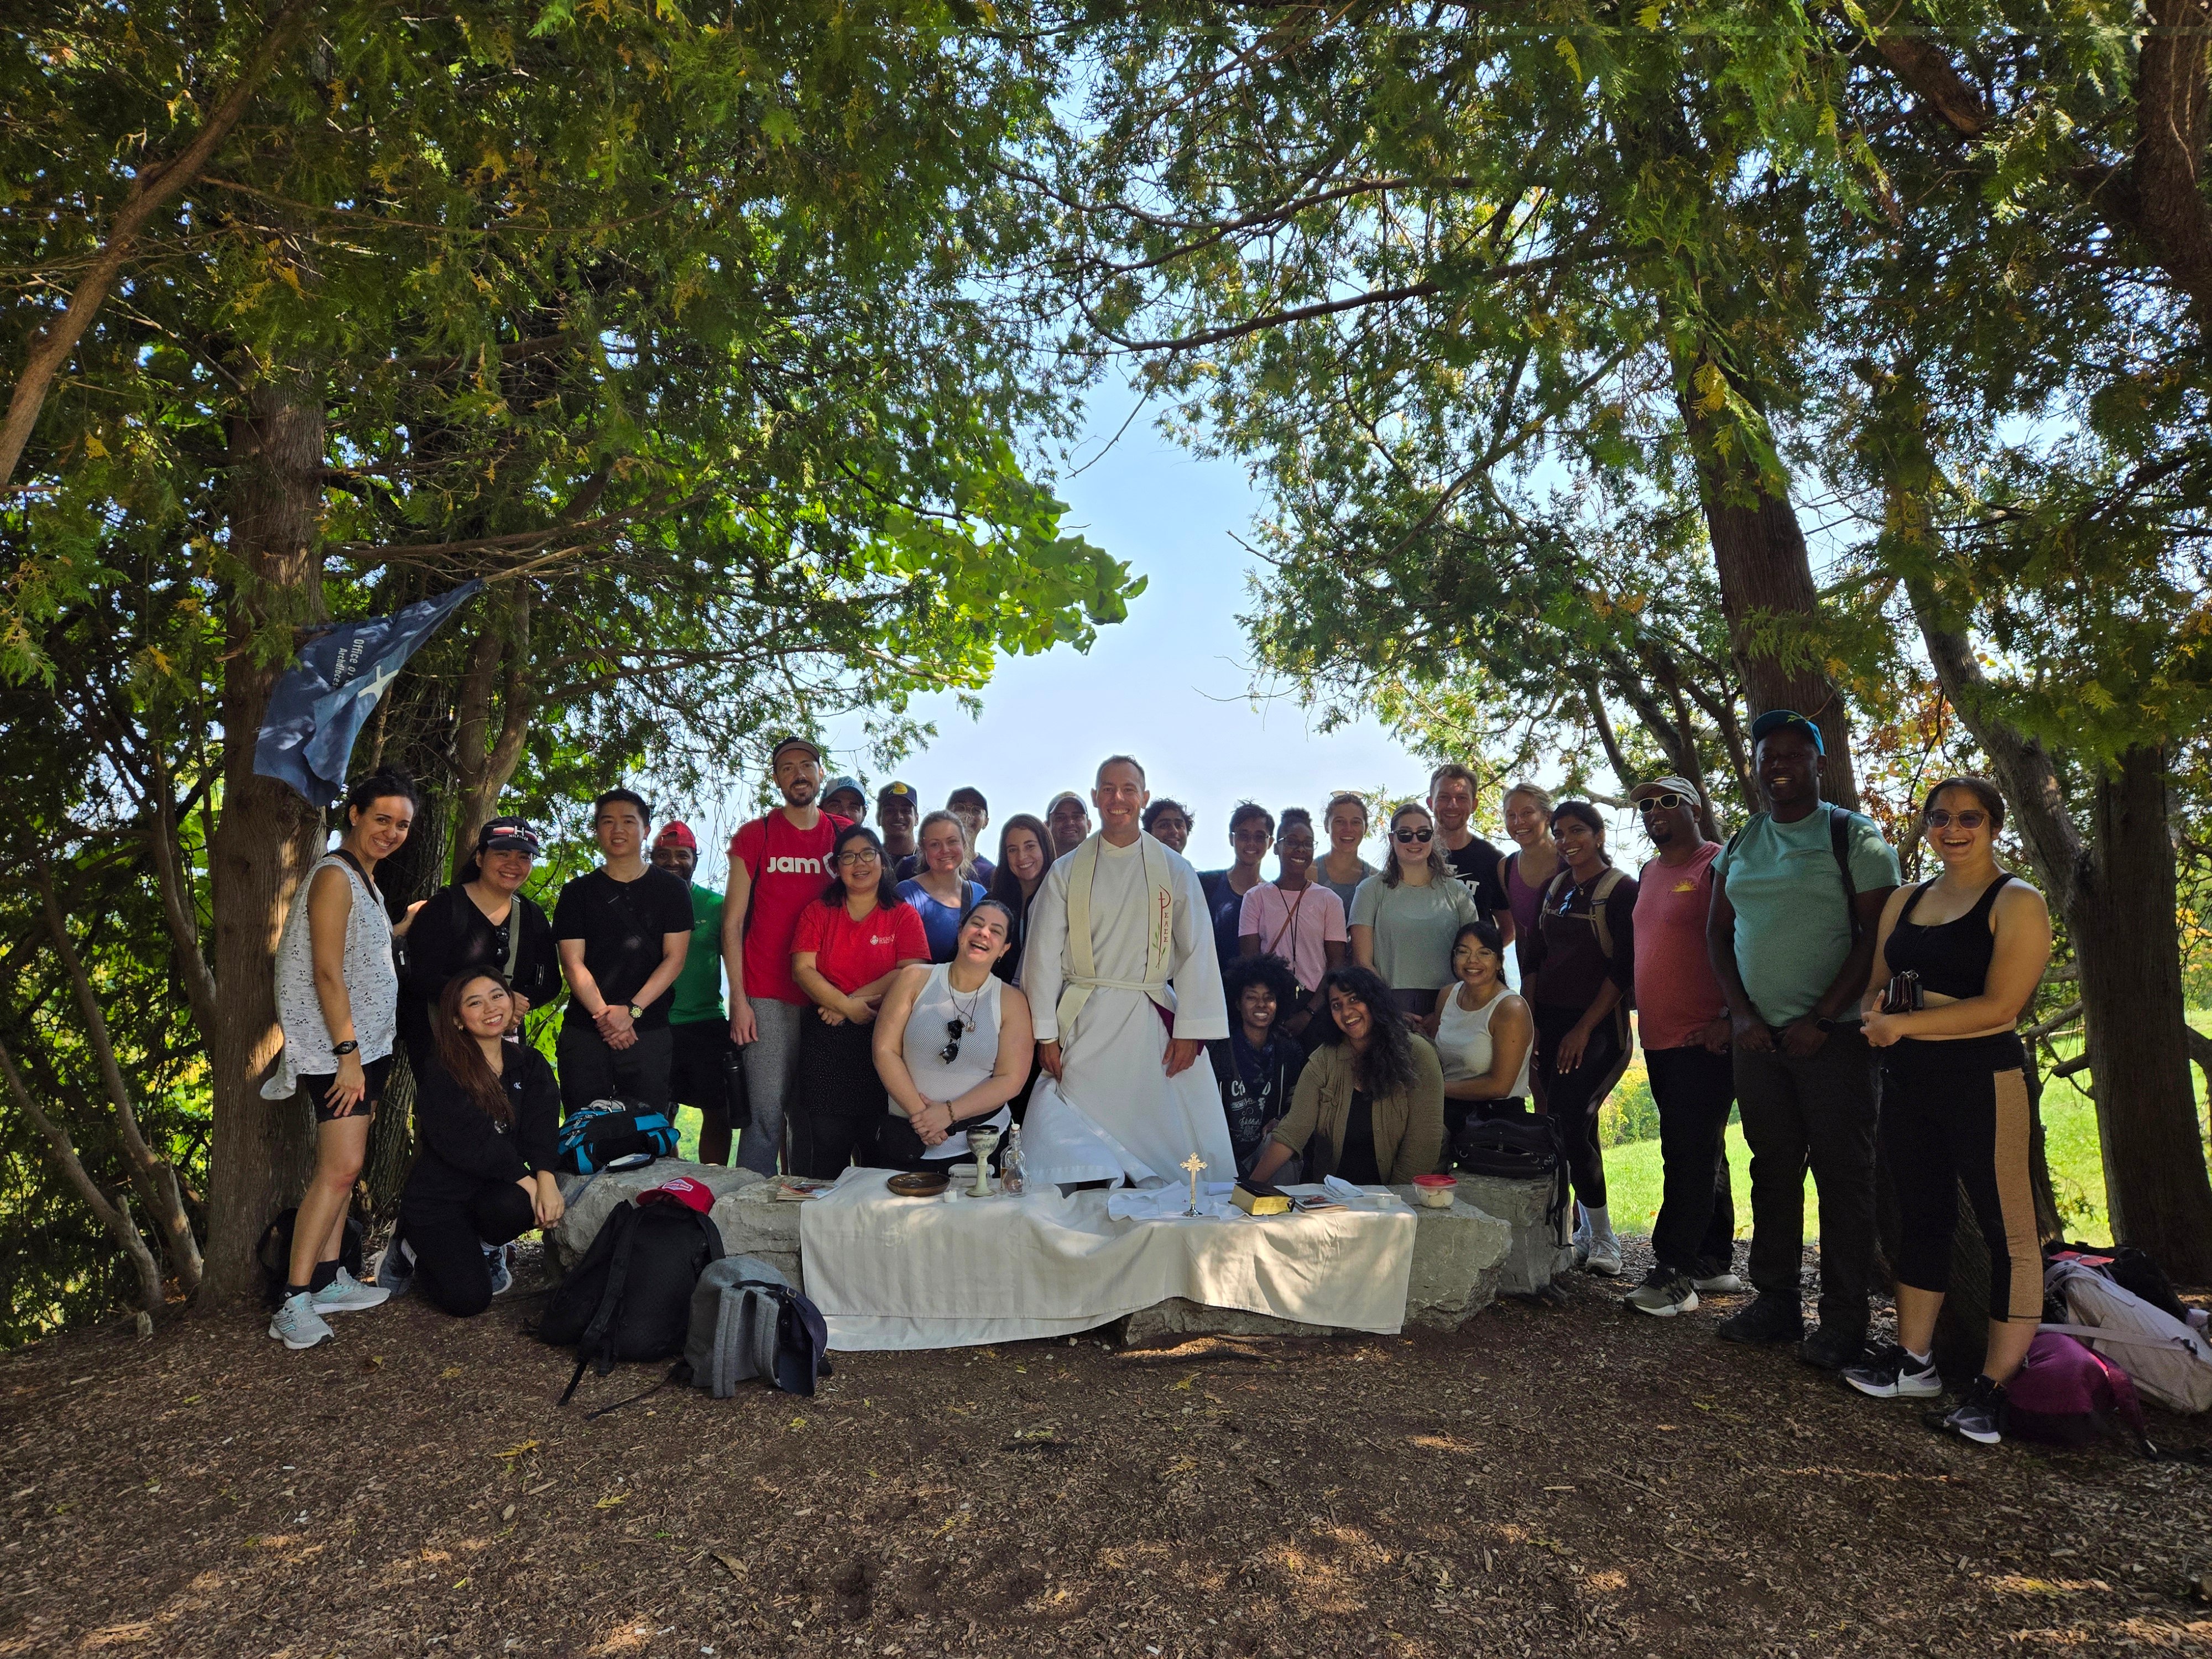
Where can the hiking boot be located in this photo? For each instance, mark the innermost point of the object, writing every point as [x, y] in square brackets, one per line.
[1603, 1256]
[1770, 1319]
[395, 1268]
[1979, 1414]
[503, 1276]
[1831, 1350]
[1720, 1284]
[1893, 1374]
[297, 1325]
[1664, 1293]
[346, 1294]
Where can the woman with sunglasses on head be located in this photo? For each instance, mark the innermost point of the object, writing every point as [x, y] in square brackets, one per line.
[845, 951]
[942, 891]
[953, 1046]
[1957, 961]
[1404, 919]
[1585, 967]
[1251, 833]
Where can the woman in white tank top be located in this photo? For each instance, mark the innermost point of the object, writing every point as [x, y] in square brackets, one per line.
[953, 1045]
[1486, 1035]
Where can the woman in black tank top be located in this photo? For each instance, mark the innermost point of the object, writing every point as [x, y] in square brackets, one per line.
[1955, 1112]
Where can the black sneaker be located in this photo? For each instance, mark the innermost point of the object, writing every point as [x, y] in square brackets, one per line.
[1832, 1350]
[1893, 1374]
[1979, 1414]
[1770, 1319]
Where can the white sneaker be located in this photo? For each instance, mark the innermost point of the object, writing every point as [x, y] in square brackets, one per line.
[1719, 1284]
[346, 1294]
[1604, 1257]
[297, 1325]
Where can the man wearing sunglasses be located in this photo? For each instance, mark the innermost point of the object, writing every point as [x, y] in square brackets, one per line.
[1682, 1022]
[1797, 898]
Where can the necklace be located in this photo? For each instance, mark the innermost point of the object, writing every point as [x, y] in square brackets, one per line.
[967, 1014]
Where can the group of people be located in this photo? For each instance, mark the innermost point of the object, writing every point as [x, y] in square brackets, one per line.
[892, 988]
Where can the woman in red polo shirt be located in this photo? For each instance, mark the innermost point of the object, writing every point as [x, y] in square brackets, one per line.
[848, 946]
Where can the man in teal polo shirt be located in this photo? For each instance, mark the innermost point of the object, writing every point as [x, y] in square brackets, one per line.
[700, 1074]
[1791, 936]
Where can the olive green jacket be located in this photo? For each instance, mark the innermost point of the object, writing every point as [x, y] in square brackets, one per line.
[1409, 1123]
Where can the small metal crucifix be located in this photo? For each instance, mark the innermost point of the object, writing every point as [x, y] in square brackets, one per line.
[1196, 1164]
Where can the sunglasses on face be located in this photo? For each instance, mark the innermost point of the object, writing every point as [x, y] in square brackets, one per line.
[1666, 803]
[951, 1051]
[1411, 835]
[1938, 817]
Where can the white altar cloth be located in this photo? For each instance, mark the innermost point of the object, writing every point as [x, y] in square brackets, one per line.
[899, 1272]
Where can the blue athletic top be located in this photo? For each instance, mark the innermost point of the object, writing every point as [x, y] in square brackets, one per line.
[939, 922]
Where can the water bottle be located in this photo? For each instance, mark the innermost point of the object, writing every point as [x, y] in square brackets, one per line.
[1009, 1161]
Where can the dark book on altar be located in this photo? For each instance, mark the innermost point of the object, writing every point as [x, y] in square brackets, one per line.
[1258, 1198]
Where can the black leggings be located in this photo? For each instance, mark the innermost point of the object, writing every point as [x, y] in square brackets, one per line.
[837, 1104]
[1575, 1097]
[449, 1237]
[1957, 1114]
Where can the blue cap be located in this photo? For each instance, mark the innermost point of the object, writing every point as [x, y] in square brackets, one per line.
[1775, 719]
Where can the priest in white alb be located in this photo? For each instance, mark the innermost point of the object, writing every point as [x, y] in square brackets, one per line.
[1121, 975]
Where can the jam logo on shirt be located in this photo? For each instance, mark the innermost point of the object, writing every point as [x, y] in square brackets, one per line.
[791, 866]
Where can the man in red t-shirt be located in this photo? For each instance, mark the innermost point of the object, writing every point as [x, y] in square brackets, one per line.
[778, 864]
[1683, 1023]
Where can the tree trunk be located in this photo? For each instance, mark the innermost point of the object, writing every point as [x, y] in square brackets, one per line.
[483, 765]
[1766, 578]
[2122, 924]
[267, 836]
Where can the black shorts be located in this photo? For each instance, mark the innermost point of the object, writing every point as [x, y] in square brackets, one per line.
[317, 1089]
[699, 1065]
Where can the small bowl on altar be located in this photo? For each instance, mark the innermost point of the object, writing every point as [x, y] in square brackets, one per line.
[1436, 1191]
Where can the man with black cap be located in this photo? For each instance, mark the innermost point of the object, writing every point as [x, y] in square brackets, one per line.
[1682, 1024]
[623, 930]
[700, 1050]
[779, 864]
[482, 921]
[898, 810]
[1798, 897]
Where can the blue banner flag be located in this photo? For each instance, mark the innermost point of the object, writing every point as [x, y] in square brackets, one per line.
[323, 699]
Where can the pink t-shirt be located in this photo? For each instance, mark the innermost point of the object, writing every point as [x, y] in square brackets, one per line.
[1677, 994]
[1294, 926]
[789, 867]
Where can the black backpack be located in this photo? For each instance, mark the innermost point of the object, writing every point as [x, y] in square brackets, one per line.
[1517, 1149]
[631, 1297]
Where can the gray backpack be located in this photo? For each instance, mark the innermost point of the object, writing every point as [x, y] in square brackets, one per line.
[735, 1311]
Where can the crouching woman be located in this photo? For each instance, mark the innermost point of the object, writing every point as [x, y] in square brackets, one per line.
[1370, 1104]
[487, 1115]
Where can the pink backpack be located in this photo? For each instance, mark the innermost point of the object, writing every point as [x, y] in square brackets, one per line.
[2066, 1393]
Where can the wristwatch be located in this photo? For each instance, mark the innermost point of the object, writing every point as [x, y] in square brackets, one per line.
[636, 1013]
[347, 1047]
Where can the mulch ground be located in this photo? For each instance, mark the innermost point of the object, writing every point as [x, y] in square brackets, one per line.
[1569, 1478]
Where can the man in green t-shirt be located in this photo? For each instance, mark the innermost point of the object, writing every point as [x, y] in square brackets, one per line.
[700, 1074]
[1792, 943]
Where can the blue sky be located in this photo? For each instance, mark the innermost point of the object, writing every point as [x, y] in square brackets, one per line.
[1171, 685]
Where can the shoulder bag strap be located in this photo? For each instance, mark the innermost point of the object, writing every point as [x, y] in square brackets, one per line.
[1839, 842]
